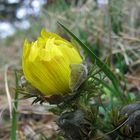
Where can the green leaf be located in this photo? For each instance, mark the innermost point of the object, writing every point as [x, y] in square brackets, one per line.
[99, 63]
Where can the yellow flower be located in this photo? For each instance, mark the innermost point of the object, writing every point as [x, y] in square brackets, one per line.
[46, 63]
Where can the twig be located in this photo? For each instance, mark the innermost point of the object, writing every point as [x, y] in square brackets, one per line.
[126, 38]
[129, 48]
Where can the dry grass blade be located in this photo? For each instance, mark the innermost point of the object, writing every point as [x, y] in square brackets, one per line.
[124, 53]
[7, 90]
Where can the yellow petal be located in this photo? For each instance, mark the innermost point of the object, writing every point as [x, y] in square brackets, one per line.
[46, 63]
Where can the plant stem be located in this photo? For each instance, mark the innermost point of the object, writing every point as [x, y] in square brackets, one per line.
[14, 111]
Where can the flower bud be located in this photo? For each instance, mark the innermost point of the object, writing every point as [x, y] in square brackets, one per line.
[46, 63]
[129, 116]
[75, 125]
